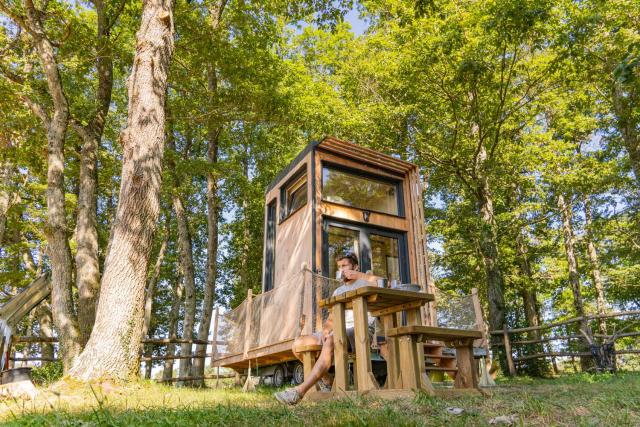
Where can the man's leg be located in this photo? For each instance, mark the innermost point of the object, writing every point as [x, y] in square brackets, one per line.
[321, 367]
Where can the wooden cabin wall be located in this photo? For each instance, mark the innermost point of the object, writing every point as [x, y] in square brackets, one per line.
[293, 248]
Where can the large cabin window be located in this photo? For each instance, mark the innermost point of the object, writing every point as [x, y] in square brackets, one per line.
[362, 192]
[294, 194]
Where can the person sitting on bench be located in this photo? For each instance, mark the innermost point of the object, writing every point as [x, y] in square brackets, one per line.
[353, 279]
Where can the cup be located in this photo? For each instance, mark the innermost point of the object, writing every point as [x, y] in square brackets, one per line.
[339, 275]
[394, 283]
[382, 282]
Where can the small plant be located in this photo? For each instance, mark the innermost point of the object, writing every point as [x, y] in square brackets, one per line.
[47, 374]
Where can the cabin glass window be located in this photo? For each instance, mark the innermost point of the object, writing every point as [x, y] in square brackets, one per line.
[359, 191]
[341, 242]
[385, 256]
[294, 194]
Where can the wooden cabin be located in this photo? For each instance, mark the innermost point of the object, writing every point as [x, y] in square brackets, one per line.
[336, 197]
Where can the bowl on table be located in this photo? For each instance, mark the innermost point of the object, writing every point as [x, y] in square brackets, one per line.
[408, 287]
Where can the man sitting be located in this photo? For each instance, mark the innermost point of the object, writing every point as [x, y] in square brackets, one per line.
[348, 266]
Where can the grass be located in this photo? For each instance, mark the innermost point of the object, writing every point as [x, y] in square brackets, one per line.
[573, 400]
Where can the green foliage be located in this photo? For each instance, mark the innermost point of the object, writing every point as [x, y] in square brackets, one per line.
[47, 374]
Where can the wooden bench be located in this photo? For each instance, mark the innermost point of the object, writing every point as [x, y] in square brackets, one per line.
[462, 340]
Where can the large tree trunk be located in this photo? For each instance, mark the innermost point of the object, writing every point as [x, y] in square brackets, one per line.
[87, 263]
[113, 348]
[150, 292]
[167, 372]
[595, 266]
[56, 229]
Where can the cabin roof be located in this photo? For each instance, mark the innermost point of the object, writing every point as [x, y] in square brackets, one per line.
[346, 149]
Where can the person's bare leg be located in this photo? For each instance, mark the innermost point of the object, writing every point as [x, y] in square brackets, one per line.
[321, 367]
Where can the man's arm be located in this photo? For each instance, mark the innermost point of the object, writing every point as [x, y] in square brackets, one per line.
[355, 275]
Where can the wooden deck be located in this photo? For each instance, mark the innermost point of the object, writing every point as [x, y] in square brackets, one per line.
[261, 356]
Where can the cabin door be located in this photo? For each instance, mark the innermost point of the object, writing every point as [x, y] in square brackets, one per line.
[381, 252]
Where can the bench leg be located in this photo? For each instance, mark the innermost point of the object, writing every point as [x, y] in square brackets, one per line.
[308, 360]
[467, 376]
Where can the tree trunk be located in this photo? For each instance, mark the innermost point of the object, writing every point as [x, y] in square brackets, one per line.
[43, 312]
[87, 262]
[5, 197]
[56, 229]
[150, 291]
[113, 348]
[569, 247]
[527, 291]
[212, 255]
[186, 261]
[167, 372]
[489, 248]
[595, 266]
[213, 134]
[628, 125]
[574, 277]
[244, 256]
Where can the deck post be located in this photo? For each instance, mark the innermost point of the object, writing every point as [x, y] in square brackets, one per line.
[247, 322]
[214, 339]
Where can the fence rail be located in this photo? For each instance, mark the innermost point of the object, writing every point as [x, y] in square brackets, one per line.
[507, 342]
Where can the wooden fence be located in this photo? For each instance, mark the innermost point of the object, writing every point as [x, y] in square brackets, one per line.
[16, 340]
[509, 344]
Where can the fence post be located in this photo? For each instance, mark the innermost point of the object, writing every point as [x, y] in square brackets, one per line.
[214, 339]
[507, 351]
[247, 322]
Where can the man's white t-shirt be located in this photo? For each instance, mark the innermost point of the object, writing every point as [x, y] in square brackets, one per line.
[348, 314]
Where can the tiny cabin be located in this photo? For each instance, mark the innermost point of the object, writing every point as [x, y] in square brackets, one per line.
[334, 197]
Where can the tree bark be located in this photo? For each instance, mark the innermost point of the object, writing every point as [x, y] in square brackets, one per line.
[489, 247]
[87, 262]
[167, 372]
[186, 260]
[574, 277]
[114, 344]
[56, 228]
[43, 312]
[150, 292]
[213, 134]
[212, 255]
[528, 293]
[569, 247]
[595, 266]
[5, 197]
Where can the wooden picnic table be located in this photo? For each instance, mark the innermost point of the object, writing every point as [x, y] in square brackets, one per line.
[384, 303]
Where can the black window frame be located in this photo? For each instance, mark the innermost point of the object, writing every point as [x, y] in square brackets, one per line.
[284, 211]
[270, 251]
[385, 179]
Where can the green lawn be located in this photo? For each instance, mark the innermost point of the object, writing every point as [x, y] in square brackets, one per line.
[583, 400]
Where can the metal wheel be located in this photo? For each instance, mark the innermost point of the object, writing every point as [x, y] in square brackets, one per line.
[278, 376]
[298, 373]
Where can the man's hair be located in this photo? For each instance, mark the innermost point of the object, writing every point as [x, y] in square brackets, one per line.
[350, 256]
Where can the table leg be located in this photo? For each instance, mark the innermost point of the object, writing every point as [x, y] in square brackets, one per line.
[366, 380]
[340, 348]
[467, 376]
[393, 366]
